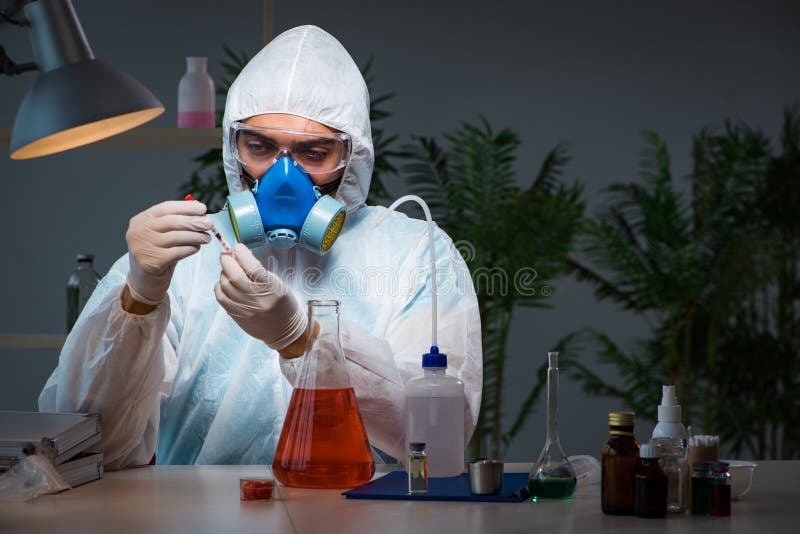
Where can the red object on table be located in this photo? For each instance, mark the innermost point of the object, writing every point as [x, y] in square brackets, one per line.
[255, 489]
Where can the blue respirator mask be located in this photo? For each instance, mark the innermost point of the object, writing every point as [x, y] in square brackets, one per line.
[284, 207]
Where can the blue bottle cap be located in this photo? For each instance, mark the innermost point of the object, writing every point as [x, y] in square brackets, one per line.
[434, 358]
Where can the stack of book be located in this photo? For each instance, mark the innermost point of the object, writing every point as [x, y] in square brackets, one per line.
[65, 438]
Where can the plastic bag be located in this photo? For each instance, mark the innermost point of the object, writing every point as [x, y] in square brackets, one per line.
[32, 476]
[586, 468]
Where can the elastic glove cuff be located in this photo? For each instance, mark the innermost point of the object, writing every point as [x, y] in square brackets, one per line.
[294, 329]
[139, 297]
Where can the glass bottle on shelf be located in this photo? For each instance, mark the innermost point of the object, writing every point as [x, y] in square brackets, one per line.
[80, 286]
[196, 96]
[323, 443]
[552, 476]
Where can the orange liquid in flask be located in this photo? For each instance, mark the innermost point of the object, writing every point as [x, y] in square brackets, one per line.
[323, 443]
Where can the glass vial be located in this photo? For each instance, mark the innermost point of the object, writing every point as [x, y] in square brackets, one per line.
[417, 468]
[80, 286]
[552, 477]
[673, 463]
[701, 488]
[618, 465]
[196, 99]
[720, 489]
[651, 484]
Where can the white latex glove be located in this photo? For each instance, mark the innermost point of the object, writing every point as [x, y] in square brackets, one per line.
[258, 300]
[157, 239]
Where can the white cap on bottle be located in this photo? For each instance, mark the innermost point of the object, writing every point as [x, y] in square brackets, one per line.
[195, 63]
[649, 450]
[669, 411]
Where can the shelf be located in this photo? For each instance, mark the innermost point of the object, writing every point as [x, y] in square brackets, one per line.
[32, 341]
[199, 138]
[165, 138]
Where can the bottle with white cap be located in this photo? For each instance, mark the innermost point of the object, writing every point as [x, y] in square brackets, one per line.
[650, 484]
[669, 417]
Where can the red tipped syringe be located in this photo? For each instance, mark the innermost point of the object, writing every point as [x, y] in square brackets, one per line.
[215, 232]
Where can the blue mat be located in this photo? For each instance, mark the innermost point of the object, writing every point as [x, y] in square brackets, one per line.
[395, 486]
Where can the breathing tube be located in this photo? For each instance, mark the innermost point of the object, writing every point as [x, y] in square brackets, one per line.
[432, 254]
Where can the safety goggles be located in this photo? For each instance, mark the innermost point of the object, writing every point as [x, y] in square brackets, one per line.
[258, 147]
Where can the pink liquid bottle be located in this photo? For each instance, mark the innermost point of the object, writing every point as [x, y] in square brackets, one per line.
[196, 100]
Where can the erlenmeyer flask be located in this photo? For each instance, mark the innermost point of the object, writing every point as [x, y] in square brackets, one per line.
[323, 443]
[552, 477]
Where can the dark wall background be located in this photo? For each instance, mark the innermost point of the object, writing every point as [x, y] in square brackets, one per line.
[593, 74]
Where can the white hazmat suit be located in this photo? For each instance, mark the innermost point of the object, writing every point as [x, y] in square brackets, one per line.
[187, 384]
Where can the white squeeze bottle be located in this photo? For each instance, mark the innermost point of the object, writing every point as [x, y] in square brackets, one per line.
[435, 415]
[669, 417]
[434, 401]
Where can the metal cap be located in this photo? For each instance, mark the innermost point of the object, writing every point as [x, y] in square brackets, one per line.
[621, 418]
[701, 466]
[719, 467]
[485, 476]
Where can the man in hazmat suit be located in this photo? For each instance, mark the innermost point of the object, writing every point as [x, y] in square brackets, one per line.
[189, 354]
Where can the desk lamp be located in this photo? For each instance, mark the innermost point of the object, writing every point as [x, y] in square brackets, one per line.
[77, 99]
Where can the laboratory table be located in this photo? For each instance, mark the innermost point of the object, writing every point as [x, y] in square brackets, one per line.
[199, 499]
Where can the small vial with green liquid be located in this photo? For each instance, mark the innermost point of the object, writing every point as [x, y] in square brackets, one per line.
[552, 476]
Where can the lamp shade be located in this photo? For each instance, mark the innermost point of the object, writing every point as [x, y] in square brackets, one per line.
[77, 99]
[78, 104]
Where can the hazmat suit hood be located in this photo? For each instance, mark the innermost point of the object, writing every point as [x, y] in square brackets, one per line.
[305, 71]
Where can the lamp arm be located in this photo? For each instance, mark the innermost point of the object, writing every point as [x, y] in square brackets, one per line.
[9, 68]
[11, 20]
[7, 65]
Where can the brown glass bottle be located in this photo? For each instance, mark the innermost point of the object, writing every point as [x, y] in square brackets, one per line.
[619, 465]
[651, 483]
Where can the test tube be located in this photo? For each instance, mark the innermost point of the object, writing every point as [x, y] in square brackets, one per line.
[215, 232]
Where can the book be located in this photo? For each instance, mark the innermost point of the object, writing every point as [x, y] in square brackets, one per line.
[59, 436]
[85, 468]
